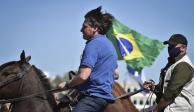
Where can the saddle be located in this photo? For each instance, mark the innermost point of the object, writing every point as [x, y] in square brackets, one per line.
[68, 101]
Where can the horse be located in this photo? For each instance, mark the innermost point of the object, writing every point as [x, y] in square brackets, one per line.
[19, 79]
[122, 104]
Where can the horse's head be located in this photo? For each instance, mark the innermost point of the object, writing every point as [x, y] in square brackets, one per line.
[10, 75]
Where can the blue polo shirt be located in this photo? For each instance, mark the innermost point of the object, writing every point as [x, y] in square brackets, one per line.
[100, 55]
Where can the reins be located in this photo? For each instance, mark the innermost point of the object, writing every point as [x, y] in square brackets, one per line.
[31, 96]
[130, 94]
[56, 90]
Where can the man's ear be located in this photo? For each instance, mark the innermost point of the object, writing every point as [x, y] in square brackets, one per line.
[183, 48]
[96, 29]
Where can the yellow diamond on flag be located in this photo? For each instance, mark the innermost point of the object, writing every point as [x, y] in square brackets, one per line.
[127, 46]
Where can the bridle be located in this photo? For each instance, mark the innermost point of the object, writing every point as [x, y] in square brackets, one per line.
[16, 77]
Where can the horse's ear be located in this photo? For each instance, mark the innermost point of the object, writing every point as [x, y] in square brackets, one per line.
[22, 56]
[28, 58]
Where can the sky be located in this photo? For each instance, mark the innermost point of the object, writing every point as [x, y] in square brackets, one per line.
[49, 30]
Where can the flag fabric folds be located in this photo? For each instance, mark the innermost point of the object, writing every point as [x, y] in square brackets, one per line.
[136, 49]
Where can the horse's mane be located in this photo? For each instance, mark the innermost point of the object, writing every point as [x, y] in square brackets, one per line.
[125, 101]
[119, 89]
[6, 64]
[47, 86]
[43, 78]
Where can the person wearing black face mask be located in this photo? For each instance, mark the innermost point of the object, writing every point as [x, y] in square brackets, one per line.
[173, 51]
[175, 90]
[176, 44]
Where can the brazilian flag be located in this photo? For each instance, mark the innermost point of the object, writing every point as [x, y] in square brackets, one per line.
[137, 50]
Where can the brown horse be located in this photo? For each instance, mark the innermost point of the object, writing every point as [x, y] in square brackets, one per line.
[19, 79]
[122, 104]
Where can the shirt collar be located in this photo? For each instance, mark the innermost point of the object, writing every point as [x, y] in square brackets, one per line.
[179, 57]
[173, 60]
[94, 37]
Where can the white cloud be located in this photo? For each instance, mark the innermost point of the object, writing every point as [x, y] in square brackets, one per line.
[47, 73]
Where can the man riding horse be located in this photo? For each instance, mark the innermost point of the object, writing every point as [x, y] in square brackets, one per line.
[99, 61]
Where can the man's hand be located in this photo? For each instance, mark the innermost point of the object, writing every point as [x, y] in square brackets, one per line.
[149, 85]
[83, 75]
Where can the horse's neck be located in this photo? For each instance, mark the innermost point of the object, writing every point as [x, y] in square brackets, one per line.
[120, 105]
[31, 85]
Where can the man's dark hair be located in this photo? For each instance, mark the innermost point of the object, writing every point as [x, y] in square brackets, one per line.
[97, 19]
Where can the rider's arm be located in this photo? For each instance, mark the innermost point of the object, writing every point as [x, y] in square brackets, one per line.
[83, 74]
[181, 74]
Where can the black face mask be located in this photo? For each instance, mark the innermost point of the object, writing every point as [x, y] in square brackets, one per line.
[174, 51]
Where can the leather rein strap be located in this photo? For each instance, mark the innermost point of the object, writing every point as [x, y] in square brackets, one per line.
[60, 90]
[130, 94]
[31, 96]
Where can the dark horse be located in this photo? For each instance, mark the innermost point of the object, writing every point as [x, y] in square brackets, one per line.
[19, 79]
